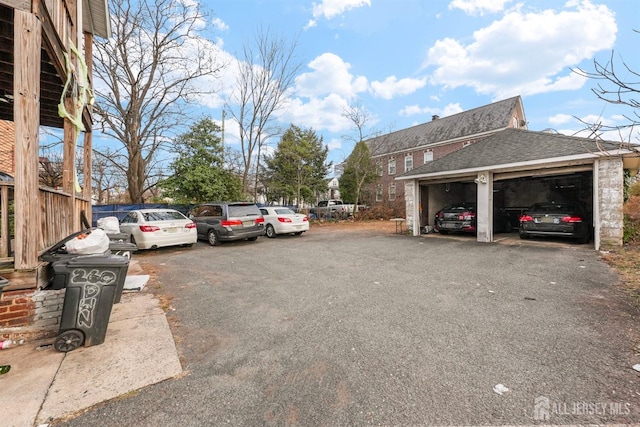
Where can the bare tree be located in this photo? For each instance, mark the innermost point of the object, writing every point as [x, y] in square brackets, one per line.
[615, 85]
[108, 182]
[50, 170]
[266, 71]
[359, 169]
[149, 71]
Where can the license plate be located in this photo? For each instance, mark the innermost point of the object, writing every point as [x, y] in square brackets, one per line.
[298, 227]
[247, 223]
[171, 230]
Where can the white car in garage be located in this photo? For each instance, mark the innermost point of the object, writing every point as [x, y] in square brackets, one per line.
[282, 220]
[156, 228]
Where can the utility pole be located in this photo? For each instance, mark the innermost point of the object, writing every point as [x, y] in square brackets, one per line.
[224, 114]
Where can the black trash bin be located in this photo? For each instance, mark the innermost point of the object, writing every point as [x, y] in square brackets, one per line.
[122, 248]
[93, 284]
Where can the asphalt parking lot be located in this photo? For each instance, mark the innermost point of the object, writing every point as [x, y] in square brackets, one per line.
[375, 328]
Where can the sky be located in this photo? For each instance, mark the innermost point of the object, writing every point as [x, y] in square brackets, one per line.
[407, 60]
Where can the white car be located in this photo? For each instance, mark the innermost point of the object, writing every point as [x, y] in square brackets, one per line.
[282, 220]
[155, 228]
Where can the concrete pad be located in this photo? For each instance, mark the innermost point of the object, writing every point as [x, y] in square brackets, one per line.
[138, 351]
[25, 386]
[136, 282]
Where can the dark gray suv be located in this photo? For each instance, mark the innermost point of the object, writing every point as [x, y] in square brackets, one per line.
[226, 221]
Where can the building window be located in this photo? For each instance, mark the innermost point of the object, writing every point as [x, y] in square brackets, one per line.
[408, 162]
[379, 167]
[428, 156]
[379, 193]
[392, 192]
[515, 122]
[392, 166]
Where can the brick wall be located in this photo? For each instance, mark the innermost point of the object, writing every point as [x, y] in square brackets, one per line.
[30, 314]
[418, 160]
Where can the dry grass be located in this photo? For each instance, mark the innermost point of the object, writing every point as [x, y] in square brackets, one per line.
[626, 260]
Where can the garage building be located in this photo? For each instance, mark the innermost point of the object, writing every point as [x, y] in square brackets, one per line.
[514, 168]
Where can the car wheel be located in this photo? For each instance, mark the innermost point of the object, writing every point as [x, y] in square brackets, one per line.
[212, 237]
[133, 240]
[443, 231]
[298, 233]
[271, 232]
[253, 239]
[524, 236]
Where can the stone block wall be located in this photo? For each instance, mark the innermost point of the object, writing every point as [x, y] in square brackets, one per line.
[610, 201]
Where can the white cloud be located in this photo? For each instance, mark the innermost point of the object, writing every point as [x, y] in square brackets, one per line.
[219, 24]
[581, 127]
[392, 87]
[478, 7]
[560, 119]
[526, 53]
[334, 144]
[329, 9]
[319, 113]
[448, 110]
[330, 75]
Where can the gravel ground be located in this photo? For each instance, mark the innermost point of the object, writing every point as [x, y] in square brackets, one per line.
[360, 326]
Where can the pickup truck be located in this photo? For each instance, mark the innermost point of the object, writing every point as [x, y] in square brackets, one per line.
[334, 208]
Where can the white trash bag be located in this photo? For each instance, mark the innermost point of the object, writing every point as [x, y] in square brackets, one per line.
[92, 242]
[109, 224]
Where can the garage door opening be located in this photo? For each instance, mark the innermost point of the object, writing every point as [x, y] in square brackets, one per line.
[511, 196]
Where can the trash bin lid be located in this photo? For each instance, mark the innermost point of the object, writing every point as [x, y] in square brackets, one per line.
[3, 282]
[98, 260]
[122, 246]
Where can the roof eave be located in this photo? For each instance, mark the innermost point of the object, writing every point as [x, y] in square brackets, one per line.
[100, 22]
[555, 161]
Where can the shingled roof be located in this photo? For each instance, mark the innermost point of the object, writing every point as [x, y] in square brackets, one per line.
[466, 124]
[511, 146]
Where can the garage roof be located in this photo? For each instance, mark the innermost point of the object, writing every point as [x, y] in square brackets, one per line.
[511, 146]
[467, 124]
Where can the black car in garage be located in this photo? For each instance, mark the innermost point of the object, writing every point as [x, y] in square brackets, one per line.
[558, 219]
[461, 217]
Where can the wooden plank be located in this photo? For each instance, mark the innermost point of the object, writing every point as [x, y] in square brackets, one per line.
[26, 89]
[23, 5]
[86, 168]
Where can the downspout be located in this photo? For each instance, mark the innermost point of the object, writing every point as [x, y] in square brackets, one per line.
[416, 207]
[596, 204]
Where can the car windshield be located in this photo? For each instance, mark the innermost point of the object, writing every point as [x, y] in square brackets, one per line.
[284, 211]
[460, 207]
[243, 210]
[553, 207]
[162, 216]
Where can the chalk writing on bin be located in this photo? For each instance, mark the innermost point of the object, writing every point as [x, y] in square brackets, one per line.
[93, 280]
